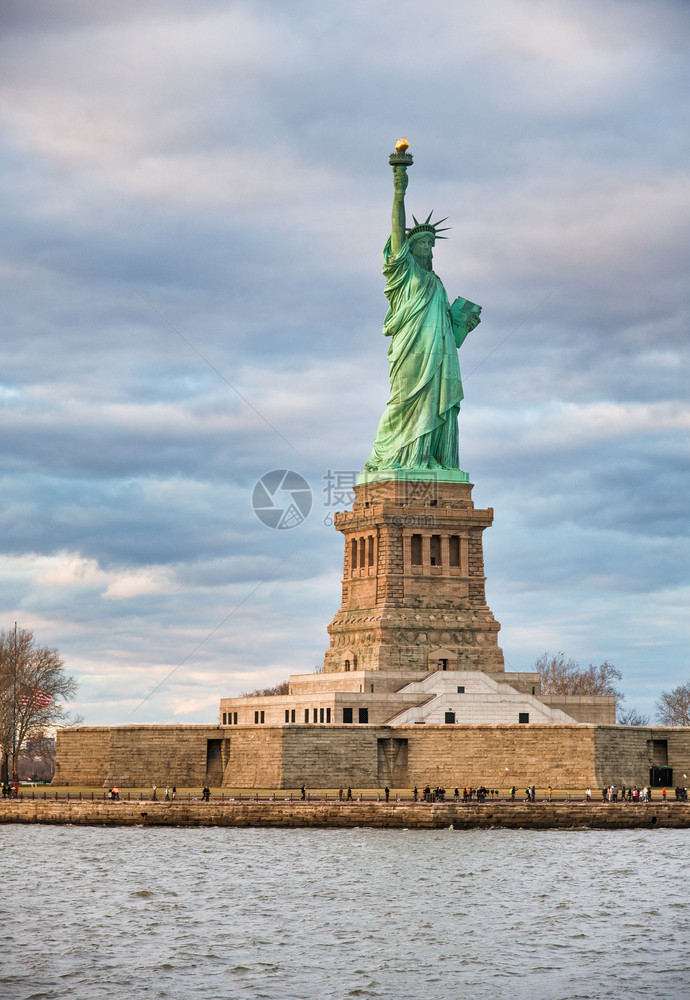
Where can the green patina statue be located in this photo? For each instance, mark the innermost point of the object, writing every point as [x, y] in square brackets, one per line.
[418, 432]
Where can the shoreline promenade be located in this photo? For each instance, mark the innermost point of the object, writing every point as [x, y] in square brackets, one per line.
[283, 813]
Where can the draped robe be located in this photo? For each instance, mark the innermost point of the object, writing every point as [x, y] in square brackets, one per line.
[419, 427]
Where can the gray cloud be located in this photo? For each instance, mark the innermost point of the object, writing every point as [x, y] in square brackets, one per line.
[228, 163]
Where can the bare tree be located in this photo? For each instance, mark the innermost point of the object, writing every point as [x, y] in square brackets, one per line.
[33, 688]
[282, 688]
[556, 673]
[631, 717]
[561, 676]
[673, 707]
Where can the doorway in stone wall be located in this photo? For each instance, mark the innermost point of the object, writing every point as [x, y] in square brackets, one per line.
[660, 777]
[214, 762]
[392, 762]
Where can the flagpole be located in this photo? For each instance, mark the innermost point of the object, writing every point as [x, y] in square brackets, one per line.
[15, 769]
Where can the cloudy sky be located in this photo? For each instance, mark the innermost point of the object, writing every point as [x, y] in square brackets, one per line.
[195, 196]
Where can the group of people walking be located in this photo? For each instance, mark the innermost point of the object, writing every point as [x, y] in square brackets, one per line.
[469, 794]
[611, 793]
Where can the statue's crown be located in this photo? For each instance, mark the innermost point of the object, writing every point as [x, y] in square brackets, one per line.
[428, 227]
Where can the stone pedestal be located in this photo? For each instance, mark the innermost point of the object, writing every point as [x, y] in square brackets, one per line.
[413, 581]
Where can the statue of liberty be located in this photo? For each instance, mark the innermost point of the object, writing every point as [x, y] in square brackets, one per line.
[419, 427]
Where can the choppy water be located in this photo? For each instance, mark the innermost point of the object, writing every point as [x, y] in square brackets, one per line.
[214, 914]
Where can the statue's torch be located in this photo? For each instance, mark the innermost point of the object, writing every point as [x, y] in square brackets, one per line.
[401, 158]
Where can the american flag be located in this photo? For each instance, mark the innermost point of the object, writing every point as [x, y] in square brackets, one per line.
[37, 698]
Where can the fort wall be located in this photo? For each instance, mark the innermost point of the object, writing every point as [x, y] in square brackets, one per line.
[82, 756]
[624, 754]
[370, 756]
[138, 756]
[253, 758]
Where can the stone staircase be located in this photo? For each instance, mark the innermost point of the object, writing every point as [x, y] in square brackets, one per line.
[474, 698]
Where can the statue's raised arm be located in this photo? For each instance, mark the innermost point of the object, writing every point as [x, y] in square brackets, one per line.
[418, 432]
[398, 220]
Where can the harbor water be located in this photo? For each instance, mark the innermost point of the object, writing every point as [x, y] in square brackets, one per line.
[208, 914]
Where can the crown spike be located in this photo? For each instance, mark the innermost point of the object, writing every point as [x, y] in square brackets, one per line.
[432, 228]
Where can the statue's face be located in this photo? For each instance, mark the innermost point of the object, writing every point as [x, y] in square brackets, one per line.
[421, 249]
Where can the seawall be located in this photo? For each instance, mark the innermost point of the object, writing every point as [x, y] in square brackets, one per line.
[419, 816]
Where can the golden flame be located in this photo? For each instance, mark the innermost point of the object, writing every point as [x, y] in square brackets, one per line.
[402, 145]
